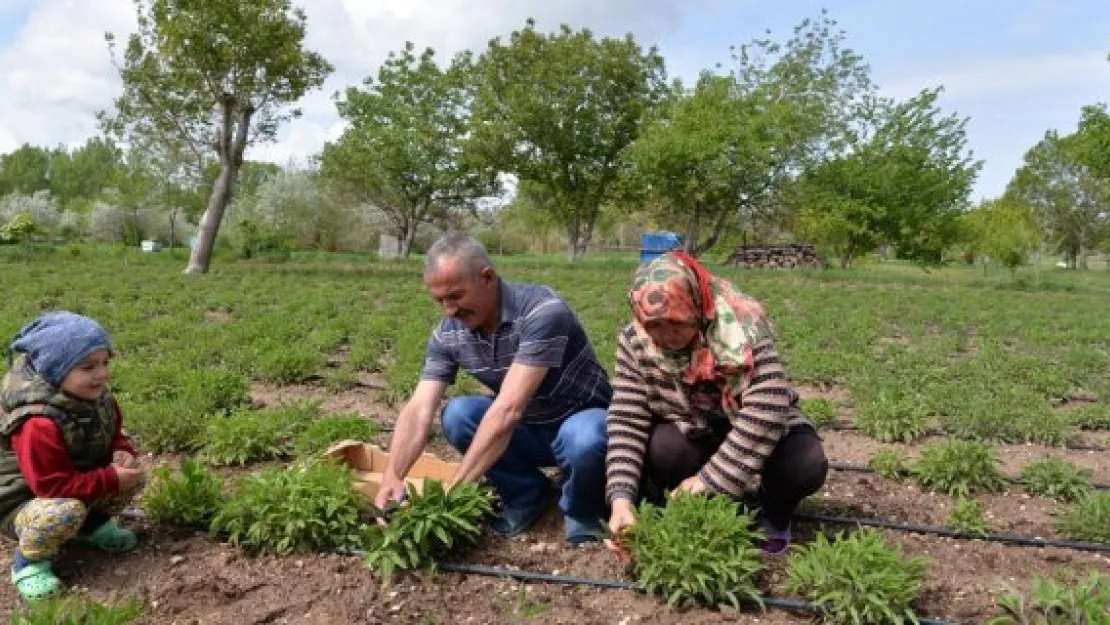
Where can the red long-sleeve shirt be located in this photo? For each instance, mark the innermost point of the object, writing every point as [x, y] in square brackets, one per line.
[47, 467]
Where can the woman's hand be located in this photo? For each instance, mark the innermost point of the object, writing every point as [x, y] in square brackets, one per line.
[692, 485]
[622, 517]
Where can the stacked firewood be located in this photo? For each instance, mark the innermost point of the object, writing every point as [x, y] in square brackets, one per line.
[775, 257]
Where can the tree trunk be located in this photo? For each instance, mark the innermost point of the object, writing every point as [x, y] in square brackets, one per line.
[406, 240]
[572, 239]
[209, 225]
[231, 159]
[691, 243]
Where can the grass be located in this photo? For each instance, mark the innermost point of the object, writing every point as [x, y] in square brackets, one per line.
[898, 339]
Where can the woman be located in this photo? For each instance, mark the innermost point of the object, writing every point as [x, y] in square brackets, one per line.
[702, 403]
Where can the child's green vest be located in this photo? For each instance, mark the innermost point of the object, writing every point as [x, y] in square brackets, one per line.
[87, 430]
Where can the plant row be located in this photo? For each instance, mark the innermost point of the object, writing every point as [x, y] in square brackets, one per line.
[965, 468]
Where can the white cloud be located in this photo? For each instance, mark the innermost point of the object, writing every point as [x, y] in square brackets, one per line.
[1009, 76]
[56, 72]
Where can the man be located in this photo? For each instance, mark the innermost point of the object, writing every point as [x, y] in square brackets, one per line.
[523, 342]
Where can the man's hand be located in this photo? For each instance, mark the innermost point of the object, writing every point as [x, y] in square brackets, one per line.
[692, 485]
[622, 517]
[409, 437]
[123, 459]
[391, 493]
[128, 477]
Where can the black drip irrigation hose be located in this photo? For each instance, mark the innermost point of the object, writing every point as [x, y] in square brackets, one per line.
[548, 578]
[844, 427]
[783, 603]
[858, 468]
[997, 537]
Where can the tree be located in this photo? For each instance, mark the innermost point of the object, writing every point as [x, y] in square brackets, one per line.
[85, 172]
[905, 183]
[403, 150]
[1094, 139]
[25, 170]
[212, 76]
[718, 156]
[558, 109]
[1005, 230]
[1068, 199]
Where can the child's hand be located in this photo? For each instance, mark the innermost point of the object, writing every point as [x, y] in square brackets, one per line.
[123, 459]
[128, 477]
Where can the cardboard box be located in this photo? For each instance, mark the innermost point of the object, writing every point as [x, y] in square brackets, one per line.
[369, 461]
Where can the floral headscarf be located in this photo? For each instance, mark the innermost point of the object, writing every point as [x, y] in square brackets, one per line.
[676, 288]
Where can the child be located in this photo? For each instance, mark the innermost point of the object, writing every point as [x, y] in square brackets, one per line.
[65, 467]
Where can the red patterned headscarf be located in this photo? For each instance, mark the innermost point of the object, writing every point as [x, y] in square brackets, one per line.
[678, 289]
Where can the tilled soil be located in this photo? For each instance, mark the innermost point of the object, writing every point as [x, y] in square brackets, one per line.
[188, 578]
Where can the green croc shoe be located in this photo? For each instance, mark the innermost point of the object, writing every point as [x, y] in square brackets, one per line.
[36, 581]
[111, 538]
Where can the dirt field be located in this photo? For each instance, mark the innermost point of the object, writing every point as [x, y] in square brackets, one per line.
[187, 578]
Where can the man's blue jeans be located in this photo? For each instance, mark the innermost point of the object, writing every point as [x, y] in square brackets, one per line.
[577, 446]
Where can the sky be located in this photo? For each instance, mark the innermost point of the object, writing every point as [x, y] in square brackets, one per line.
[1016, 68]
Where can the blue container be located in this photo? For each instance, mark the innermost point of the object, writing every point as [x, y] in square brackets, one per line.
[655, 244]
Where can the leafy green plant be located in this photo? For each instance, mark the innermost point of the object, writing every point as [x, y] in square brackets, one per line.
[342, 379]
[307, 507]
[696, 550]
[889, 463]
[959, 468]
[821, 412]
[892, 418]
[1088, 519]
[322, 433]
[969, 517]
[75, 610]
[1056, 478]
[1057, 602]
[429, 525]
[188, 497]
[285, 364]
[857, 579]
[250, 436]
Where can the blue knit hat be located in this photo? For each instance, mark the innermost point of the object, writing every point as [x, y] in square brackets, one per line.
[57, 341]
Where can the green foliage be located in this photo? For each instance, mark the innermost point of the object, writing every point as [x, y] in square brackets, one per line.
[285, 364]
[857, 579]
[821, 412]
[960, 468]
[75, 610]
[1065, 195]
[1056, 478]
[322, 433]
[428, 526]
[905, 184]
[719, 566]
[1088, 519]
[597, 92]
[403, 148]
[201, 82]
[307, 507]
[889, 463]
[969, 517]
[1058, 602]
[891, 415]
[250, 436]
[189, 497]
[729, 142]
[1005, 230]
[168, 405]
